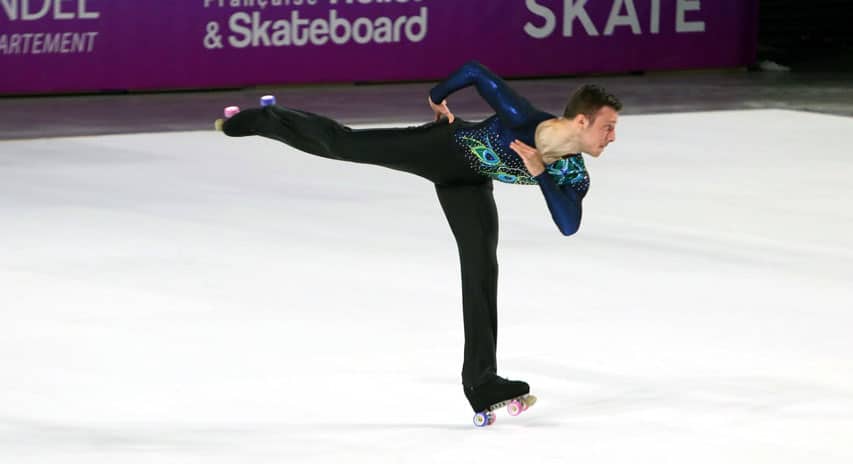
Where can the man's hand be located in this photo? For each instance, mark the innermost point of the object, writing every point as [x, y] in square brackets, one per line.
[441, 110]
[532, 158]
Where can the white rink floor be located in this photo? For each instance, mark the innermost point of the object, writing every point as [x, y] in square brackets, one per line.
[189, 298]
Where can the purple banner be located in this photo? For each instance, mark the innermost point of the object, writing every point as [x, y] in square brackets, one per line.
[93, 45]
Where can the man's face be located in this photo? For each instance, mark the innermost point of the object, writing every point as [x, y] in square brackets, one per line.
[601, 132]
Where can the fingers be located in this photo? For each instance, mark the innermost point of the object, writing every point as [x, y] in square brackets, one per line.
[531, 158]
[523, 150]
[514, 147]
[436, 109]
[446, 111]
[441, 109]
[522, 145]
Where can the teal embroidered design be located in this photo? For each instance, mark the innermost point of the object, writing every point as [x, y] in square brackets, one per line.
[484, 152]
[569, 170]
[492, 165]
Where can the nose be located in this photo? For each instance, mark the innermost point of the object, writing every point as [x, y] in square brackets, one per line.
[612, 137]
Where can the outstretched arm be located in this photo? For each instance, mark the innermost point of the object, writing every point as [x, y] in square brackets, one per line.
[513, 109]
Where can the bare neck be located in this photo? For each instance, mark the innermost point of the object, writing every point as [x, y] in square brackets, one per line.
[557, 137]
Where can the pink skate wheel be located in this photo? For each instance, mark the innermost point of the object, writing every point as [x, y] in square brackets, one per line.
[231, 111]
[515, 408]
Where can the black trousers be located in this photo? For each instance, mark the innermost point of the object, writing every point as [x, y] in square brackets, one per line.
[465, 197]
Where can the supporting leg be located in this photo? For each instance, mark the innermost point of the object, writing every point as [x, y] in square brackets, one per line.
[472, 214]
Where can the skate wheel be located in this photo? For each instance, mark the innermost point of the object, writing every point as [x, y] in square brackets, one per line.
[515, 407]
[218, 124]
[267, 100]
[484, 419]
[231, 111]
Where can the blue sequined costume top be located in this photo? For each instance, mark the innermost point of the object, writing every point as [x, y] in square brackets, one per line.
[486, 144]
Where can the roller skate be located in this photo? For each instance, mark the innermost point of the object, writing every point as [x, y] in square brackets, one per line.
[496, 393]
[230, 111]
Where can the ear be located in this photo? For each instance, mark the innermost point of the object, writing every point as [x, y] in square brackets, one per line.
[581, 121]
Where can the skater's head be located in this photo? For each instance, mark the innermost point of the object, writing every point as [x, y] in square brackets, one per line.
[594, 113]
[588, 125]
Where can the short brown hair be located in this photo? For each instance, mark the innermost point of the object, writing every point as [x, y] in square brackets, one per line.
[588, 99]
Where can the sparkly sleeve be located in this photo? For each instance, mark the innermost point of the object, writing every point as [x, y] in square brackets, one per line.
[564, 204]
[513, 109]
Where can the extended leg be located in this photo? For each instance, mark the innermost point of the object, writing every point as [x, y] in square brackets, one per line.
[425, 150]
[473, 218]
